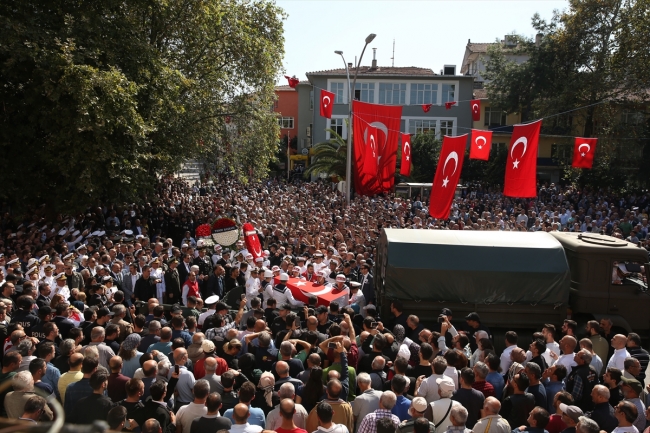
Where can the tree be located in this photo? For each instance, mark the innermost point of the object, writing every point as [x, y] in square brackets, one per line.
[425, 149]
[590, 56]
[100, 98]
[329, 157]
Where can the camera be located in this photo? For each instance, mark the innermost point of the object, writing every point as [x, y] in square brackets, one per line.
[331, 345]
[442, 318]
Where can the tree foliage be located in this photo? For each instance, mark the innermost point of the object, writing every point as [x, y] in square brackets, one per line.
[329, 157]
[99, 98]
[425, 151]
[594, 55]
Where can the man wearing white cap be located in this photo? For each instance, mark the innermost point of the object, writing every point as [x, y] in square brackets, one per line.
[253, 286]
[342, 289]
[61, 288]
[267, 284]
[282, 294]
[357, 300]
[210, 303]
[438, 411]
[217, 254]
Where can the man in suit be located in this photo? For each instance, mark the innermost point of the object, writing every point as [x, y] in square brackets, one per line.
[116, 274]
[128, 283]
[172, 283]
[145, 287]
[367, 285]
[74, 279]
[215, 285]
[184, 268]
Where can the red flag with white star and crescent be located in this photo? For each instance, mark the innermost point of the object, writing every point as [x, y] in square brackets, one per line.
[476, 109]
[583, 152]
[405, 169]
[479, 147]
[326, 103]
[521, 165]
[446, 178]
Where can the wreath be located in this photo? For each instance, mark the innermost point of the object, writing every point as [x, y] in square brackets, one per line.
[225, 232]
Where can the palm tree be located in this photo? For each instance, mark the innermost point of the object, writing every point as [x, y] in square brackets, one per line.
[329, 157]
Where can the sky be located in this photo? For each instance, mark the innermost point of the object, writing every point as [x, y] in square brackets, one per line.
[427, 33]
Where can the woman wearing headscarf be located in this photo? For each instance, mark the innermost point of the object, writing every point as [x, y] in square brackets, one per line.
[130, 354]
[265, 397]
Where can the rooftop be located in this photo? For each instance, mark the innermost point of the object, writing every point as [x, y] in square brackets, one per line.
[478, 47]
[284, 88]
[380, 70]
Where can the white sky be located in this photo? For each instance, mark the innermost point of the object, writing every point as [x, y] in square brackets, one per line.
[427, 33]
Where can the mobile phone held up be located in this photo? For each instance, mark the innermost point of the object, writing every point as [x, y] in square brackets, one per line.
[331, 345]
[177, 369]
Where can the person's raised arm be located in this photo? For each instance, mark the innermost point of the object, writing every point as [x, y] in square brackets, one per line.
[240, 313]
[353, 335]
[323, 345]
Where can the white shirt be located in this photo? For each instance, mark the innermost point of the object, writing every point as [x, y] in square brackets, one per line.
[186, 414]
[252, 289]
[452, 373]
[429, 388]
[439, 409]
[243, 428]
[630, 429]
[506, 362]
[344, 298]
[618, 359]
[274, 419]
[204, 316]
[567, 361]
[551, 347]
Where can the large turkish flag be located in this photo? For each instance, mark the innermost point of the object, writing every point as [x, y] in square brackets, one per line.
[386, 118]
[302, 289]
[521, 165]
[326, 103]
[446, 178]
[479, 148]
[583, 152]
[252, 241]
[405, 168]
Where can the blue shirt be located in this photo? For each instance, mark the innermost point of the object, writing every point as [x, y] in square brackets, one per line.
[552, 388]
[52, 375]
[401, 408]
[497, 382]
[257, 416]
[164, 348]
[130, 366]
[187, 338]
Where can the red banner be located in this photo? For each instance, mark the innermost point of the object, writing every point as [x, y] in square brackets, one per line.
[583, 152]
[302, 289]
[405, 169]
[480, 146]
[476, 109]
[293, 81]
[386, 118]
[326, 103]
[252, 241]
[521, 166]
[446, 178]
[370, 139]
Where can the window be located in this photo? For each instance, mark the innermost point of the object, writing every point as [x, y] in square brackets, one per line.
[446, 127]
[494, 117]
[563, 153]
[364, 92]
[632, 118]
[311, 100]
[336, 125]
[285, 122]
[337, 89]
[498, 147]
[448, 93]
[424, 93]
[394, 94]
[422, 126]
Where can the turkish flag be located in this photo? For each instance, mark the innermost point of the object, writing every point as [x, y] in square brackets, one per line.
[450, 104]
[303, 289]
[426, 107]
[521, 165]
[326, 103]
[252, 241]
[480, 146]
[476, 109]
[405, 169]
[386, 119]
[370, 138]
[583, 152]
[293, 81]
[447, 175]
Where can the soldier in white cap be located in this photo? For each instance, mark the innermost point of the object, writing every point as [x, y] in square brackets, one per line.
[357, 301]
[342, 289]
[61, 288]
[253, 286]
[266, 282]
[210, 303]
[217, 254]
[48, 276]
[282, 294]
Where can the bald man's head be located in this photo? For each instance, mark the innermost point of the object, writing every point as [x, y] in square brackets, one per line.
[115, 362]
[198, 338]
[491, 406]
[282, 369]
[151, 426]
[210, 365]
[180, 356]
[240, 413]
[287, 408]
[150, 368]
[260, 325]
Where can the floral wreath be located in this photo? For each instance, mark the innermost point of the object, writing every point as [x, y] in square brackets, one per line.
[223, 231]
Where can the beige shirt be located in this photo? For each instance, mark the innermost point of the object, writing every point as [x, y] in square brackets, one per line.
[492, 424]
[66, 379]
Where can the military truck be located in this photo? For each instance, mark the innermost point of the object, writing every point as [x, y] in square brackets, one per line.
[514, 279]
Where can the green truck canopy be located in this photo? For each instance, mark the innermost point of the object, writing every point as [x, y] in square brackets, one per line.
[480, 267]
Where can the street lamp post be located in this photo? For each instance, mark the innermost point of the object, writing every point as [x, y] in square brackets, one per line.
[348, 165]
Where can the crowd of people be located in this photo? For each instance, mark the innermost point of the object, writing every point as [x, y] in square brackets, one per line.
[121, 314]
